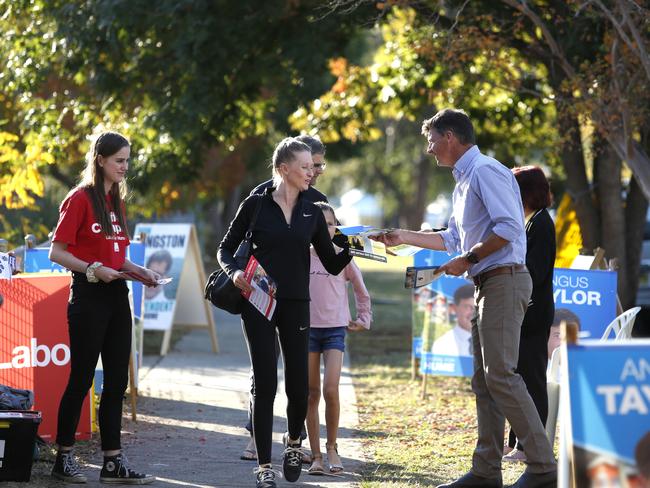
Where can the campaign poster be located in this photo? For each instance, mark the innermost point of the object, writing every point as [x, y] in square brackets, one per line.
[589, 295]
[609, 396]
[442, 312]
[165, 250]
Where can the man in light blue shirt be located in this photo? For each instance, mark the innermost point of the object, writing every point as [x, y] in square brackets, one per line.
[487, 226]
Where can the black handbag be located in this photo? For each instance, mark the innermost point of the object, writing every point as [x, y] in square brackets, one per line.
[219, 289]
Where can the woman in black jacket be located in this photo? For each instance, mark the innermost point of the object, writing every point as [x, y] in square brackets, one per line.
[540, 259]
[285, 227]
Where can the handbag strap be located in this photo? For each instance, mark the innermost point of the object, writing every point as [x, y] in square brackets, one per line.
[249, 232]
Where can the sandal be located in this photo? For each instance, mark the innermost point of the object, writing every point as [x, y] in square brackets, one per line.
[316, 467]
[250, 453]
[333, 458]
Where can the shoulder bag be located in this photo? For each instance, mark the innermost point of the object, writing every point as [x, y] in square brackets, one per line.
[219, 289]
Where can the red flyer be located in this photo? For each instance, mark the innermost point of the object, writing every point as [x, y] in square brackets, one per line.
[262, 297]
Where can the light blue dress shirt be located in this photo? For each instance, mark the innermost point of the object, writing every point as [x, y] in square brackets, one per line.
[486, 200]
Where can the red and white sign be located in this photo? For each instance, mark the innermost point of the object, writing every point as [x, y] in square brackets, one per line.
[34, 345]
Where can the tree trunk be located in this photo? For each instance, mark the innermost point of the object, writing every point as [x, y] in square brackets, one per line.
[415, 216]
[607, 175]
[635, 215]
[576, 181]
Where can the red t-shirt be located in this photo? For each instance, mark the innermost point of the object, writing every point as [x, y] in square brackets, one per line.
[79, 229]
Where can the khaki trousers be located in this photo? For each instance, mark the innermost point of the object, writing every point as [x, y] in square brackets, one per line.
[501, 303]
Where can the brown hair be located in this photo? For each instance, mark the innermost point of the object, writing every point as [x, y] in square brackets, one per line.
[92, 181]
[452, 120]
[534, 187]
[642, 455]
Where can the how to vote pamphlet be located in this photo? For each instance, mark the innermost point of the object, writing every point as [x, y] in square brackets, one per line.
[362, 246]
[262, 296]
[134, 276]
[417, 276]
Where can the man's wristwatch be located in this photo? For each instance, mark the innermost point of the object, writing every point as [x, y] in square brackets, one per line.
[90, 272]
[471, 256]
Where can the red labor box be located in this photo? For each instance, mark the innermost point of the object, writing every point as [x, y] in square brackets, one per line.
[34, 345]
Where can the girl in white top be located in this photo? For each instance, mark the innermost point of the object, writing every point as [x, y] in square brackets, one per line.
[330, 318]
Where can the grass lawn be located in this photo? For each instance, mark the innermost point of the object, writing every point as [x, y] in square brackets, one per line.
[410, 440]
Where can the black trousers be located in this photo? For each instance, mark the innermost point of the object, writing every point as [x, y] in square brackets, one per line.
[532, 363]
[99, 322]
[291, 319]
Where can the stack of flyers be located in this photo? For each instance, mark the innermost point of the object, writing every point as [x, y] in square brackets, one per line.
[421, 276]
[7, 265]
[132, 275]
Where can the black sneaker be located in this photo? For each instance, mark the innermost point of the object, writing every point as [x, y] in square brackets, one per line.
[116, 470]
[66, 468]
[291, 459]
[265, 477]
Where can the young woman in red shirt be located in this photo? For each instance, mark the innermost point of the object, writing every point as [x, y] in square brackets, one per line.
[90, 240]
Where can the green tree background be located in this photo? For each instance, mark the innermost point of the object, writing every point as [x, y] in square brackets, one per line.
[204, 89]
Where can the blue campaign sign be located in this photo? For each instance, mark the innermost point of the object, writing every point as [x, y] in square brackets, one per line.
[37, 260]
[441, 337]
[590, 294]
[438, 364]
[609, 389]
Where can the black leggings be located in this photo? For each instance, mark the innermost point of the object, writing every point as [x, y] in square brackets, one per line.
[99, 322]
[291, 319]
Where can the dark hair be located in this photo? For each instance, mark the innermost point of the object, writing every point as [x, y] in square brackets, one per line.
[161, 256]
[285, 152]
[642, 455]
[105, 144]
[566, 315]
[463, 293]
[452, 120]
[314, 143]
[534, 187]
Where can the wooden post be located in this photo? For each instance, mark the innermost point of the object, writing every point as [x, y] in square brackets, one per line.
[133, 392]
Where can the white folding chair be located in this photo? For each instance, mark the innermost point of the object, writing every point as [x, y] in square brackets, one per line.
[622, 325]
[553, 391]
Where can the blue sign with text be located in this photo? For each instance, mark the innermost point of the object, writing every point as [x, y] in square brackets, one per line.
[609, 390]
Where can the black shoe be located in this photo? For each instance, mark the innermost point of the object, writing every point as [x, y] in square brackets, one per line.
[116, 470]
[66, 468]
[291, 459]
[470, 480]
[536, 480]
[265, 477]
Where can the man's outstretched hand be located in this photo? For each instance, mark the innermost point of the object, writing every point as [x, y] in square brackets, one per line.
[392, 238]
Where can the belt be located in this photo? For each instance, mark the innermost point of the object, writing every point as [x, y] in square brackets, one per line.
[480, 278]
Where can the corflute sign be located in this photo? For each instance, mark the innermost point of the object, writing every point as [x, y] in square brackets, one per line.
[37, 356]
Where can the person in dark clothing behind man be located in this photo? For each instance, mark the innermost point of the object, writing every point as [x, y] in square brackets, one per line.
[317, 149]
[286, 225]
[535, 329]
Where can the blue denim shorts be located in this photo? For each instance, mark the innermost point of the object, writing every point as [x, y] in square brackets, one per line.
[323, 338]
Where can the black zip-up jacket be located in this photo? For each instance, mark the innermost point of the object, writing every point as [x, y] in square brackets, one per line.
[540, 259]
[282, 249]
